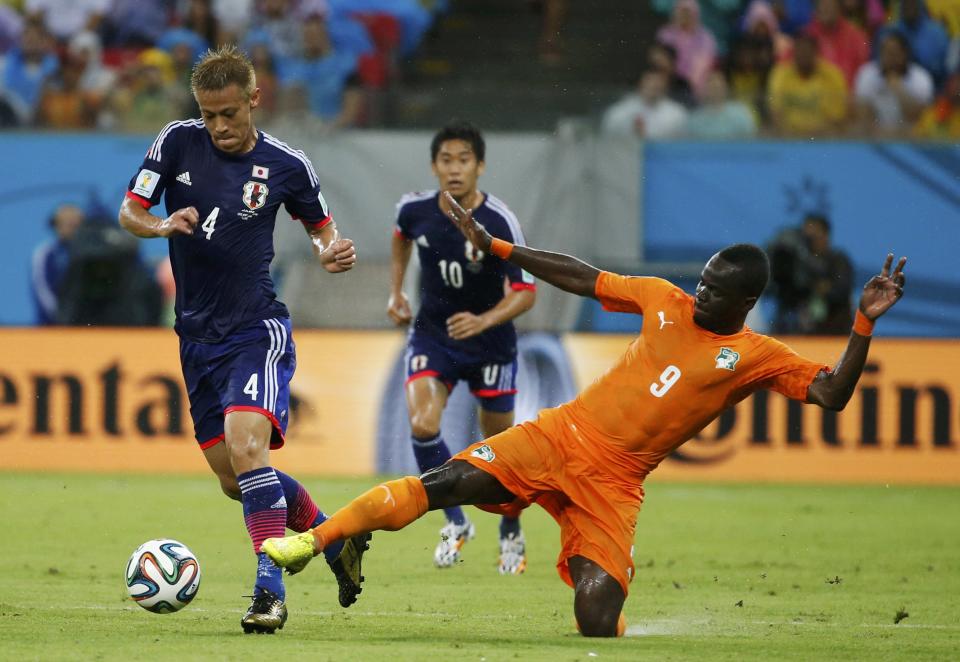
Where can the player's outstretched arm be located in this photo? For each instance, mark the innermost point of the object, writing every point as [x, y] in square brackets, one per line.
[563, 271]
[139, 222]
[336, 255]
[833, 390]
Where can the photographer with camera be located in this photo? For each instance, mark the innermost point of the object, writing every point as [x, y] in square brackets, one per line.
[812, 280]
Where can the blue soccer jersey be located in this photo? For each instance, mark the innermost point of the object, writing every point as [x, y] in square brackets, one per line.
[456, 277]
[222, 270]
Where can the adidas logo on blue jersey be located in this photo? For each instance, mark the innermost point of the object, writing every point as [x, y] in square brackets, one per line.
[184, 178]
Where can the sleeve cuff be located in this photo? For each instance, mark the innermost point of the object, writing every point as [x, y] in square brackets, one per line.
[523, 286]
[314, 225]
[143, 202]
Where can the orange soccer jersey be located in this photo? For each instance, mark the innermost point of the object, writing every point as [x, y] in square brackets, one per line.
[676, 377]
[585, 461]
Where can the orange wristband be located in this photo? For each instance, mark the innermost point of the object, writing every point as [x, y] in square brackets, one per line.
[501, 248]
[862, 326]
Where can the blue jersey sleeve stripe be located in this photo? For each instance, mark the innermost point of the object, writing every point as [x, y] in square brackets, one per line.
[416, 196]
[297, 154]
[513, 224]
[156, 149]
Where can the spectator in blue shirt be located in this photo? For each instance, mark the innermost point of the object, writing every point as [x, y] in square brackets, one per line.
[50, 261]
[325, 75]
[24, 69]
[927, 38]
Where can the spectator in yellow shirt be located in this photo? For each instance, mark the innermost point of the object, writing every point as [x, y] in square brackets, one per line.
[808, 95]
[941, 121]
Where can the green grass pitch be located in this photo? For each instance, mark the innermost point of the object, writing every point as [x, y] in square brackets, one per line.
[767, 572]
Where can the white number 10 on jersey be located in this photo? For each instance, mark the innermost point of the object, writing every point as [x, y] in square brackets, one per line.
[668, 378]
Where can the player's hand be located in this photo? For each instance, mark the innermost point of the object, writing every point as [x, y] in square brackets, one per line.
[398, 309]
[467, 224]
[339, 256]
[884, 290]
[182, 221]
[461, 326]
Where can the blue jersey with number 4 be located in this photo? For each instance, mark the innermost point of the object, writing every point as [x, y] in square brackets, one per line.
[456, 277]
[222, 270]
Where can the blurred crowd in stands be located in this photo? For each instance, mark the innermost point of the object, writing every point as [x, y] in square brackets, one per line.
[125, 64]
[718, 68]
[798, 69]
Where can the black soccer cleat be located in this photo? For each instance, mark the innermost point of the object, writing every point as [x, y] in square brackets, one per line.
[266, 614]
[346, 568]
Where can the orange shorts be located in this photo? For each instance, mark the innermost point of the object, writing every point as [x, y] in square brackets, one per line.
[544, 462]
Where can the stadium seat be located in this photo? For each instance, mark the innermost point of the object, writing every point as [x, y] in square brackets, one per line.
[376, 69]
[120, 57]
[384, 30]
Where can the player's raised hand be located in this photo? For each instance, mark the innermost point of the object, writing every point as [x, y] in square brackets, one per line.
[339, 256]
[883, 290]
[398, 309]
[182, 221]
[461, 326]
[467, 224]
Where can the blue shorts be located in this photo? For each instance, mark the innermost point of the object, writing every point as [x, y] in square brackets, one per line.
[494, 384]
[250, 370]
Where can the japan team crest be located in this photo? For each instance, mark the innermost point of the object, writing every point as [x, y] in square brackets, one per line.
[727, 359]
[255, 195]
[474, 258]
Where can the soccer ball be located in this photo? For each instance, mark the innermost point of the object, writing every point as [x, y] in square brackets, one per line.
[162, 576]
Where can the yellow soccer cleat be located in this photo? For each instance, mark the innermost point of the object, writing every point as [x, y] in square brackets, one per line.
[292, 552]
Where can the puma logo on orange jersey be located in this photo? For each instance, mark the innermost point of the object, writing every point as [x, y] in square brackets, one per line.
[663, 321]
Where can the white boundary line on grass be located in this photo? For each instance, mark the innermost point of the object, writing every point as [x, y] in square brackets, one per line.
[658, 627]
[702, 627]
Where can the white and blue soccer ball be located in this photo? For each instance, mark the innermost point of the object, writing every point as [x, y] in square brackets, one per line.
[163, 576]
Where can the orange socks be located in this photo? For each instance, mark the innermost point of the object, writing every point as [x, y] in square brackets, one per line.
[389, 506]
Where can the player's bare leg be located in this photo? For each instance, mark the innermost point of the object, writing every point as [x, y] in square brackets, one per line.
[391, 506]
[426, 400]
[247, 440]
[513, 546]
[598, 599]
[459, 483]
[219, 460]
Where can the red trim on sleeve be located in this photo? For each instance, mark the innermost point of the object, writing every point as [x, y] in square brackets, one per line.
[143, 202]
[314, 225]
[397, 232]
[210, 443]
[270, 417]
[523, 286]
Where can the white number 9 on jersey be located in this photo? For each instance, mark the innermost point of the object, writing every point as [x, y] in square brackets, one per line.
[668, 378]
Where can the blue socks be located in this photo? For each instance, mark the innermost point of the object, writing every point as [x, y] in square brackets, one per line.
[432, 453]
[265, 514]
[509, 526]
[331, 551]
[302, 512]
